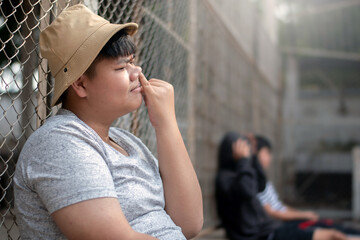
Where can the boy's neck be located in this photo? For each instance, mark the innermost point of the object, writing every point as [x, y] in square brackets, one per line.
[96, 120]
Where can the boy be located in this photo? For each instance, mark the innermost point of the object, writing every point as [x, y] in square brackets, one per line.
[269, 197]
[76, 177]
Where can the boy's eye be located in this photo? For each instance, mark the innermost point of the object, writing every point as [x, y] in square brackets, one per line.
[120, 69]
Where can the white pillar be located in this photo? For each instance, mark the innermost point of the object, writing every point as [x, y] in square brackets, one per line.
[290, 113]
[356, 183]
[192, 59]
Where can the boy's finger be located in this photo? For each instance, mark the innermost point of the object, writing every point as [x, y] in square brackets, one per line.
[143, 81]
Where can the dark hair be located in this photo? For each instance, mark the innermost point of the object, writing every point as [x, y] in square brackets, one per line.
[119, 45]
[225, 151]
[262, 142]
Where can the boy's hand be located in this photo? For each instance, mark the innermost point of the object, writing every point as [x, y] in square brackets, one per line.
[241, 149]
[159, 99]
[311, 215]
[253, 144]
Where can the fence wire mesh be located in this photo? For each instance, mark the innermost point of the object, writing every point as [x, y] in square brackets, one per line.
[26, 82]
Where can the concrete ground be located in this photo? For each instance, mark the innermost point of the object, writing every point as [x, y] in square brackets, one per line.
[210, 234]
[9, 229]
[342, 215]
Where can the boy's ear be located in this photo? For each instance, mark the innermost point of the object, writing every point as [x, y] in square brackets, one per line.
[79, 86]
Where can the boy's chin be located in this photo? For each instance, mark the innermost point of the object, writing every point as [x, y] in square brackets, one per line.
[138, 105]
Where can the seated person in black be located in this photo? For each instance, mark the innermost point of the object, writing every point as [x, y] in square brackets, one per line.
[240, 177]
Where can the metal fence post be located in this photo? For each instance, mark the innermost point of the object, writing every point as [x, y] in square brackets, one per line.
[41, 109]
[191, 80]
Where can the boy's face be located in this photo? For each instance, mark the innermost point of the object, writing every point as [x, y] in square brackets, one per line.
[265, 157]
[115, 87]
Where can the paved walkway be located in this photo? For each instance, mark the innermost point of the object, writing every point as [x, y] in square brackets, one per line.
[210, 234]
[9, 228]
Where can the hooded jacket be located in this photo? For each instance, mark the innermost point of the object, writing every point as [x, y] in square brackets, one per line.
[237, 183]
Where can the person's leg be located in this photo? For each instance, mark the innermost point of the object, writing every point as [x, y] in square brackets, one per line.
[290, 230]
[328, 234]
[346, 230]
[331, 234]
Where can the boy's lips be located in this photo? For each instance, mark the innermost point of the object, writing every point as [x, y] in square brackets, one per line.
[138, 85]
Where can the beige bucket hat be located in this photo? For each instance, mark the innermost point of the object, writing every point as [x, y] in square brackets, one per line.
[72, 42]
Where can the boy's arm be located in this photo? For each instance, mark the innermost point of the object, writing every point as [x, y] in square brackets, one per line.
[183, 199]
[290, 214]
[244, 185]
[100, 218]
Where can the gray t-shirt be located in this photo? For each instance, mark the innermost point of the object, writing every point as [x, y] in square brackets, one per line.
[66, 162]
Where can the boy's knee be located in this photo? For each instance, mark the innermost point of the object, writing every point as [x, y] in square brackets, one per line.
[336, 235]
[328, 234]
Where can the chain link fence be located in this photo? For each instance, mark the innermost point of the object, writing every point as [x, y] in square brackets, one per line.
[219, 57]
[26, 82]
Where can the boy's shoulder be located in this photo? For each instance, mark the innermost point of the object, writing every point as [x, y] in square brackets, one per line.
[63, 127]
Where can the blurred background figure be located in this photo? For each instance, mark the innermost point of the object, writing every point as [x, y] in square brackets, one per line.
[239, 181]
[269, 197]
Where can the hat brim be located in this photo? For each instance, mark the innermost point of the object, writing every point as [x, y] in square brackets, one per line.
[85, 55]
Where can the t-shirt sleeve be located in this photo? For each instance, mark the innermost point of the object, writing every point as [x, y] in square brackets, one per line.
[68, 168]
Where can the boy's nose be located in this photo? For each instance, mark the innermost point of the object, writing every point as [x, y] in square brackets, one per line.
[134, 75]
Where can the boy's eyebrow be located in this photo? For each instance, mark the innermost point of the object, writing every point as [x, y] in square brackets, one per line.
[126, 60]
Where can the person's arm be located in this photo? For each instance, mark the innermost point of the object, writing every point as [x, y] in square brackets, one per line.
[304, 214]
[261, 176]
[240, 182]
[100, 218]
[183, 199]
[290, 214]
[244, 185]
[238, 185]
